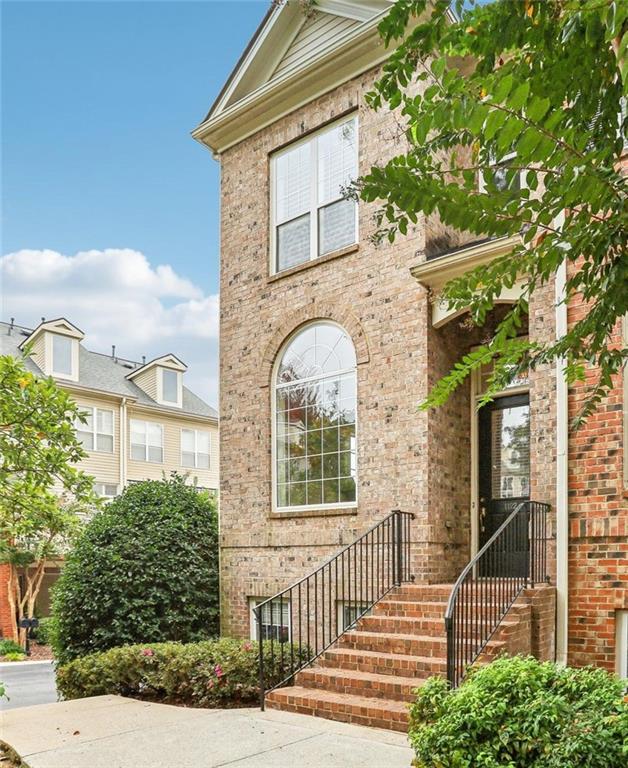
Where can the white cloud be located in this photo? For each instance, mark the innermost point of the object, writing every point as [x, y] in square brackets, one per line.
[117, 297]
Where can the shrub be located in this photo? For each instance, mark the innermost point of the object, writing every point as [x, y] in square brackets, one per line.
[43, 633]
[206, 674]
[10, 646]
[520, 712]
[144, 570]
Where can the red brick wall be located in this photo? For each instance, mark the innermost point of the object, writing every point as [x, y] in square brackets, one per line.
[598, 523]
[5, 613]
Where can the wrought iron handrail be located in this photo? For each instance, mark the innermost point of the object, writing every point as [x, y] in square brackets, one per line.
[513, 558]
[306, 618]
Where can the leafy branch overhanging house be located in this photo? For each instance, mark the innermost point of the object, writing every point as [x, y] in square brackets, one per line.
[328, 343]
[142, 421]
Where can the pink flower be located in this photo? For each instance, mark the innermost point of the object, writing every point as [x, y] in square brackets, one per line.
[218, 671]
[148, 652]
[247, 646]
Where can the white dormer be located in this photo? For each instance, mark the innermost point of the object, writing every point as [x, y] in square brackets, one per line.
[55, 348]
[161, 379]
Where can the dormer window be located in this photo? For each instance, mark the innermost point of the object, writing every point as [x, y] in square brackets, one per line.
[170, 386]
[61, 355]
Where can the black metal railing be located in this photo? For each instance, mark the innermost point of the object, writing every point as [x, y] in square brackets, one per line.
[302, 621]
[514, 558]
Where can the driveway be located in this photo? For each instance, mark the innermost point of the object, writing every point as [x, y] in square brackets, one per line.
[114, 732]
[27, 683]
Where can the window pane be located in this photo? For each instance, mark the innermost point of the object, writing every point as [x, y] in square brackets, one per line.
[292, 183]
[138, 431]
[315, 492]
[187, 440]
[347, 489]
[86, 438]
[187, 459]
[293, 243]
[337, 160]
[138, 452]
[104, 421]
[155, 454]
[62, 354]
[297, 494]
[104, 443]
[202, 461]
[202, 442]
[153, 434]
[336, 226]
[110, 490]
[510, 452]
[170, 386]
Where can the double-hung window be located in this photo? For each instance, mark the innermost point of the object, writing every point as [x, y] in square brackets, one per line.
[274, 621]
[97, 432]
[195, 448]
[147, 441]
[311, 216]
[62, 355]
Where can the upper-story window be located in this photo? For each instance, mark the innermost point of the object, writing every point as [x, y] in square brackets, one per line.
[310, 217]
[170, 386]
[97, 432]
[147, 441]
[315, 420]
[195, 448]
[62, 354]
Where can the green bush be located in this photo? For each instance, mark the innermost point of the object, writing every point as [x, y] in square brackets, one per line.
[145, 570]
[10, 646]
[14, 656]
[206, 674]
[43, 633]
[519, 712]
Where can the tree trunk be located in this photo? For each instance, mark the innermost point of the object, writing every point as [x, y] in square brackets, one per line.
[12, 593]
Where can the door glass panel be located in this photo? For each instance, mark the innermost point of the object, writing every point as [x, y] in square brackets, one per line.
[510, 452]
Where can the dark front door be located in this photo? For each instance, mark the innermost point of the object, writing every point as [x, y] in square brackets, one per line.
[504, 481]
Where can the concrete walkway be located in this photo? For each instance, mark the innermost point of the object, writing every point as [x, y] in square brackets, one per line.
[114, 732]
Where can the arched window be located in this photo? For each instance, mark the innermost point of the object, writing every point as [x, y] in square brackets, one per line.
[315, 419]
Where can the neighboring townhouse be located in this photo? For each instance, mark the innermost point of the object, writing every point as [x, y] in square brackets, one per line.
[142, 422]
[328, 344]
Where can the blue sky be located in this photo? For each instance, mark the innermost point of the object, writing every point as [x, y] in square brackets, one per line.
[98, 100]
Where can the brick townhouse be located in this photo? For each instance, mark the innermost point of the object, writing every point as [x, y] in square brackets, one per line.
[142, 421]
[328, 344]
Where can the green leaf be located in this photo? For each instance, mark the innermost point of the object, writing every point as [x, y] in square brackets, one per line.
[519, 96]
[537, 108]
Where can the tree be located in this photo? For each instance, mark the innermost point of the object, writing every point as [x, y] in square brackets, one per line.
[144, 570]
[38, 448]
[539, 93]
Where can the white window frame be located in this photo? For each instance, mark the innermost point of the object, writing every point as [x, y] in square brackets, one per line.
[253, 603]
[621, 644]
[100, 488]
[74, 355]
[273, 431]
[146, 422]
[495, 164]
[314, 206]
[178, 403]
[80, 427]
[209, 446]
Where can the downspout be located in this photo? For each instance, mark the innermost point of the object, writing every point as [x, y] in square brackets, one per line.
[562, 476]
[123, 444]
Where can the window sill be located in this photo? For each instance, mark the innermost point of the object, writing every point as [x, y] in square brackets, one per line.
[314, 262]
[324, 512]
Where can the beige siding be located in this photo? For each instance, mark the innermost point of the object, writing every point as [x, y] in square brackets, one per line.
[39, 351]
[104, 467]
[172, 426]
[148, 382]
[320, 30]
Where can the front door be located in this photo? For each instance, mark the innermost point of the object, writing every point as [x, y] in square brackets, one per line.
[504, 481]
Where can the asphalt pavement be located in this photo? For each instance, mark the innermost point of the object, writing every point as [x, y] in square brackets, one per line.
[27, 683]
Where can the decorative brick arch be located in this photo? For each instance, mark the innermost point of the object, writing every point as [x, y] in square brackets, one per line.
[315, 311]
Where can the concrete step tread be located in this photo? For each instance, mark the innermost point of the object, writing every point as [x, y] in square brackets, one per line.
[321, 696]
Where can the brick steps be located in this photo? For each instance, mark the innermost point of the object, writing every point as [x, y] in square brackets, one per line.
[360, 710]
[368, 677]
[356, 683]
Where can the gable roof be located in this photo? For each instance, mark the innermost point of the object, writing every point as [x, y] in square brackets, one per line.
[59, 325]
[293, 57]
[103, 373]
[167, 361]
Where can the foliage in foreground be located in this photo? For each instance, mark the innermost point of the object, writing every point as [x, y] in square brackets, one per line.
[542, 101]
[522, 713]
[145, 570]
[38, 450]
[207, 674]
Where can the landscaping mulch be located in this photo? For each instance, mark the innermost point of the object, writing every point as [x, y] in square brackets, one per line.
[40, 653]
